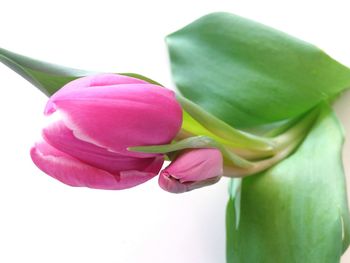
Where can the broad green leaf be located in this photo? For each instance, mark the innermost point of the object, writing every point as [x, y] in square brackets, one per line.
[297, 210]
[46, 76]
[248, 74]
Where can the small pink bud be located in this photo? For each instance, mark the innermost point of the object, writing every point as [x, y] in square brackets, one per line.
[192, 169]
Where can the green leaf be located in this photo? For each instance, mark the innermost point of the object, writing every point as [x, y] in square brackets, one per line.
[247, 74]
[230, 229]
[235, 187]
[46, 76]
[296, 211]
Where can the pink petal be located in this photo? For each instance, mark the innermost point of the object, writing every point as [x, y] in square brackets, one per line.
[99, 80]
[173, 185]
[192, 169]
[196, 165]
[109, 116]
[104, 79]
[76, 173]
[63, 139]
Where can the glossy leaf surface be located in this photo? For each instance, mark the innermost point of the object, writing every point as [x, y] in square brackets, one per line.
[248, 74]
[297, 210]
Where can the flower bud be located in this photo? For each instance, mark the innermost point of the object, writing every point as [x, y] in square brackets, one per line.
[101, 116]
[192, 169]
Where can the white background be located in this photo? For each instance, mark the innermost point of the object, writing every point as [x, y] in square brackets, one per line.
[42, 220]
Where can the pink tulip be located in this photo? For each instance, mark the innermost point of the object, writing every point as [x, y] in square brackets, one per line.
[192, 169]
[99, 118]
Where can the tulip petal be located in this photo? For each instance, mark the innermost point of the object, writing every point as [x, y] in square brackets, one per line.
[105, 79]
[109, 116]
[196, 165]
[63, 139]
[73, 172]
[92, 81]
[192, 169]
[170, 184]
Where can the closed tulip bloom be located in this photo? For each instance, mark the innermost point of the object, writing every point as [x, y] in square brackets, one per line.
[99, 117]
[192, 169]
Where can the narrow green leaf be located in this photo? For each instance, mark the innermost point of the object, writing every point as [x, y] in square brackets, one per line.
[46, 76]
[296, 211]
[248, 74]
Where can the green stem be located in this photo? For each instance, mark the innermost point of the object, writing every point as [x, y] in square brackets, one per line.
[286, 144]
[230, 171]
[195, 142]
[222, 129]
[281, 141]
[297, 130]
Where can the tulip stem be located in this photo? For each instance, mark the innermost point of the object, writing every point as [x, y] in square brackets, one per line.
[283, 140]
[222, 129]
[230, 171]
[195, 143]
[297, 130]
[287, 143]
[236, 164]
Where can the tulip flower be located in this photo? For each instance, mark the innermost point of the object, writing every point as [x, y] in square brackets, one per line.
[99, 117]
[192, 169]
